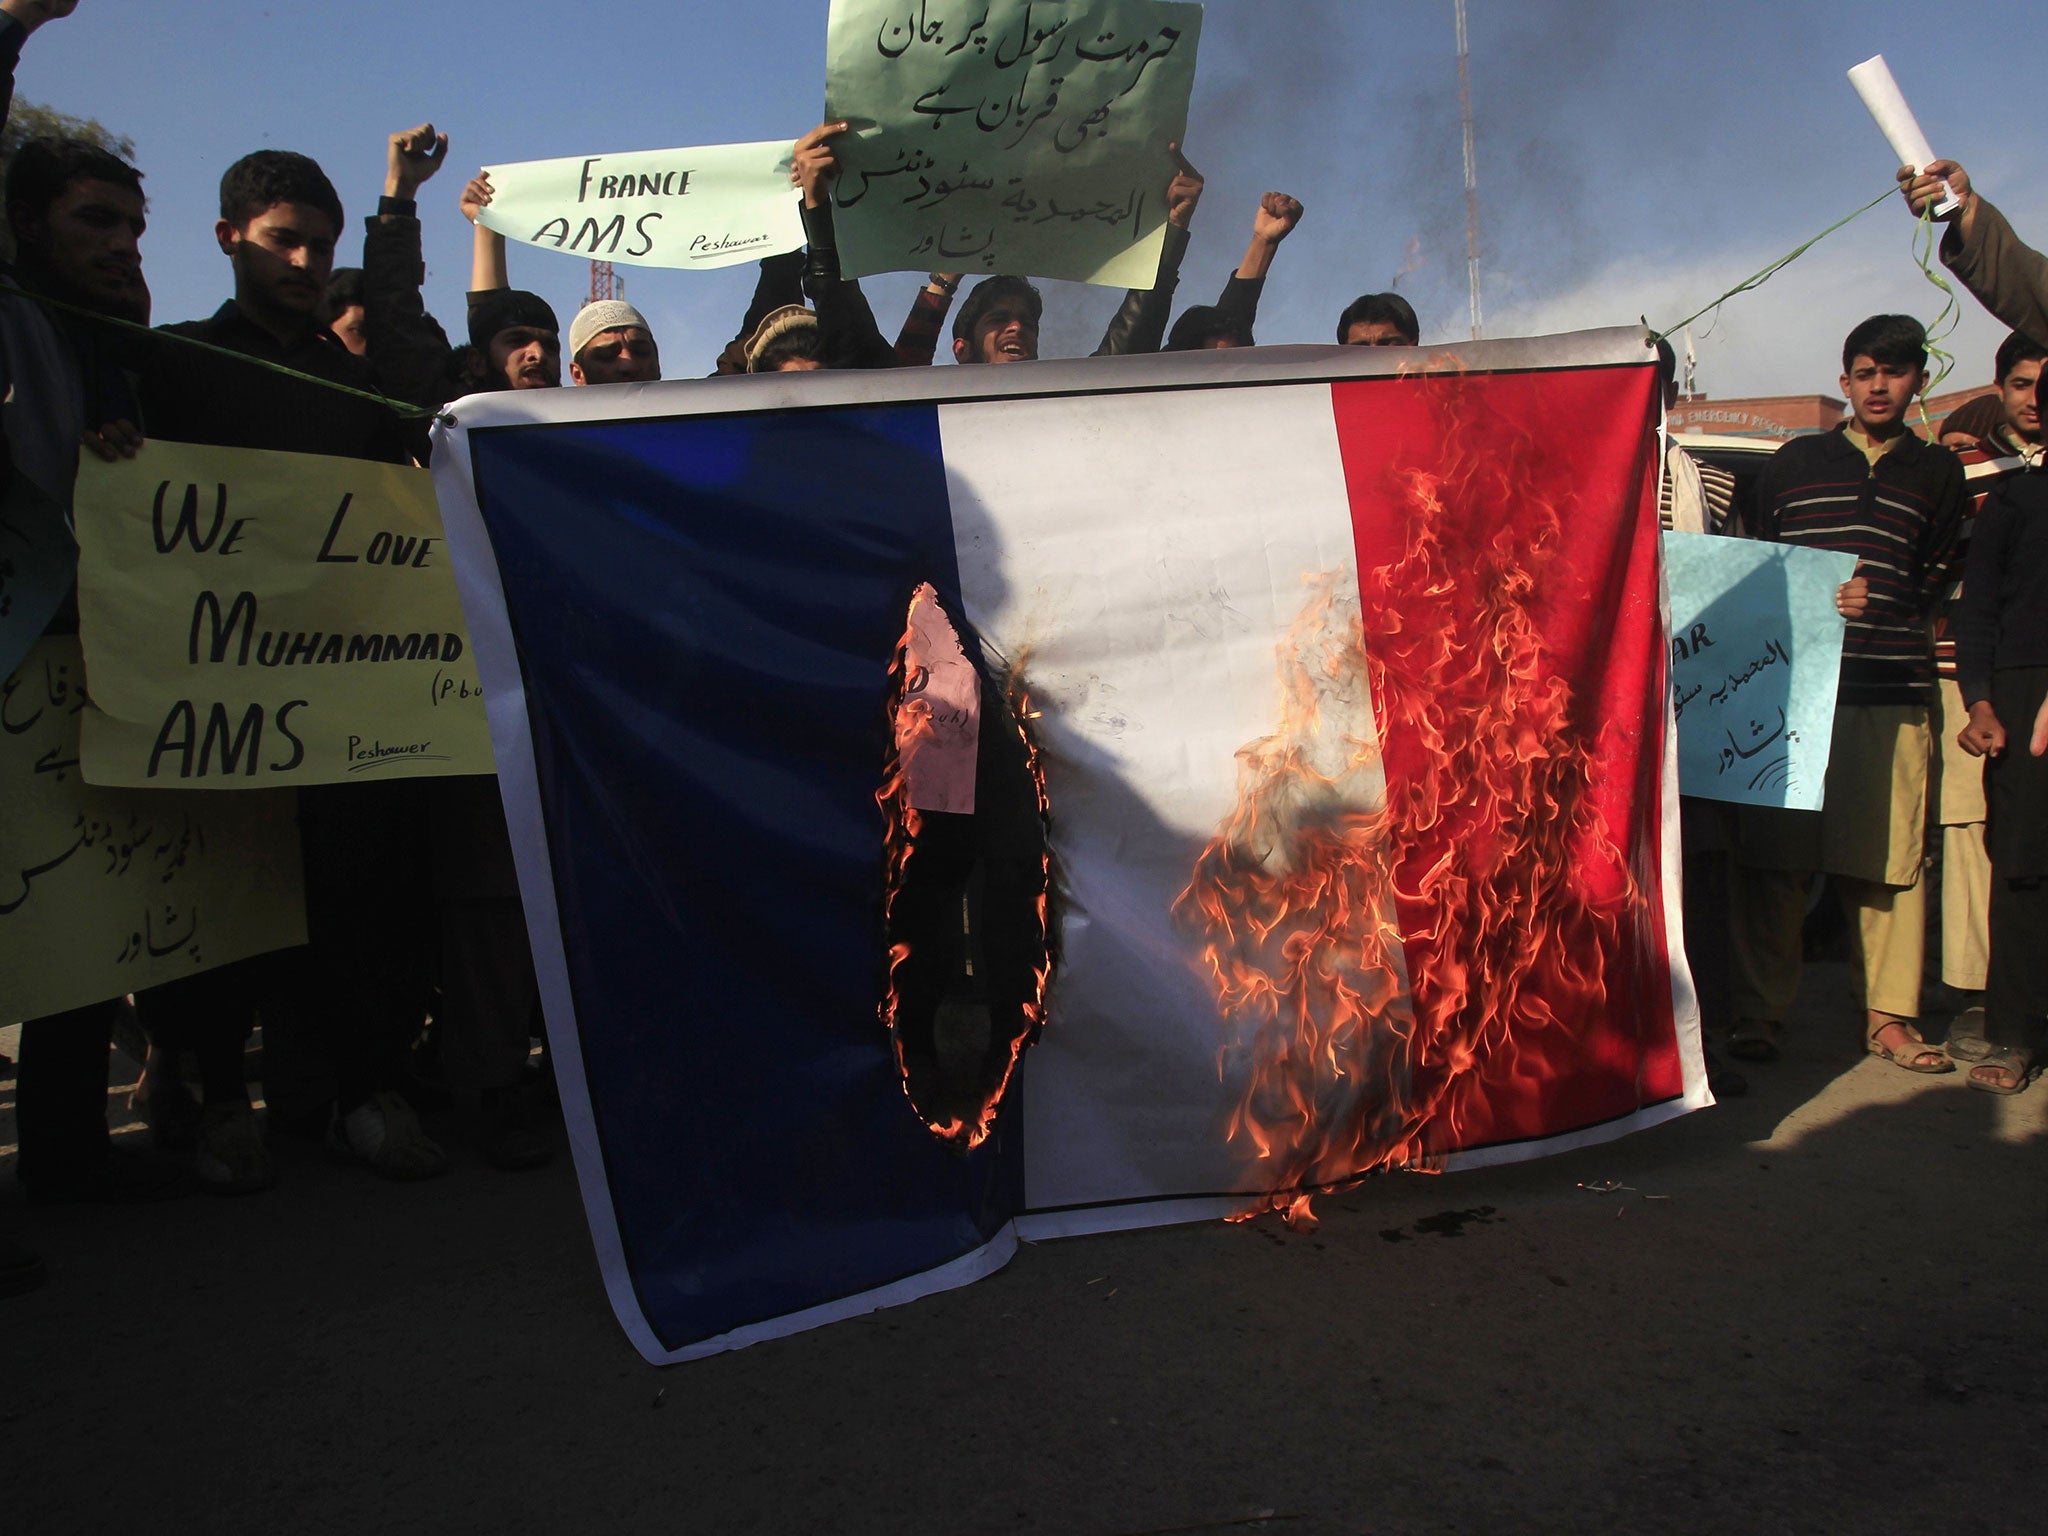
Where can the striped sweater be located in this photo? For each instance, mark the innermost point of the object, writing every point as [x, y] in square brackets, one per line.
[1900, 517]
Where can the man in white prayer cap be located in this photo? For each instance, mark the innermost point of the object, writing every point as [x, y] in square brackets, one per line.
[610, 343]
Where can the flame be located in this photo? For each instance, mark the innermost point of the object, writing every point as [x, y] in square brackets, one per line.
[1387, 956]
[1017, 1003]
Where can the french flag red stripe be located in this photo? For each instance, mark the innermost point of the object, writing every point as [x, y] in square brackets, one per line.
[1506, 536]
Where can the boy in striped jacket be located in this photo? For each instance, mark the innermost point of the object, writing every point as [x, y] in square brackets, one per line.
[1873, 489]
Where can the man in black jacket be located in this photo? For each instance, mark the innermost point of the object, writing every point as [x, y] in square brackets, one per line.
[2002, 670]
[360, 984]
[76, 213]
[1229, 321]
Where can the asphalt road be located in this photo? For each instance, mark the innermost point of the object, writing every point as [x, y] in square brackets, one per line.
[1815, 1308]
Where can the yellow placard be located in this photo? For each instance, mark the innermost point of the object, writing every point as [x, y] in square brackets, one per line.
[255, 618]
[105, 891]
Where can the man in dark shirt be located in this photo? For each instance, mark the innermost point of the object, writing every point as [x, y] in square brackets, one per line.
[1228, 322]
[76, 213]
[1872, 489]
[279, 222]
[1379, 320]
[2007, 446]
[360, 984]
[2002, 672]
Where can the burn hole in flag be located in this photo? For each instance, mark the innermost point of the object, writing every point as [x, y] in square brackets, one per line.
[968, 918]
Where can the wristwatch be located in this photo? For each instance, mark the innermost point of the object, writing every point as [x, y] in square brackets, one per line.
[946, 285]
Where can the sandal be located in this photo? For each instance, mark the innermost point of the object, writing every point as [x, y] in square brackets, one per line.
[2017, 1066]
[1966, 1040]
[1754, 1040]
[1912, 1053]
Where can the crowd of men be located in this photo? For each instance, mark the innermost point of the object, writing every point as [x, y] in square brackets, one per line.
[1941, 713]
[411, 904]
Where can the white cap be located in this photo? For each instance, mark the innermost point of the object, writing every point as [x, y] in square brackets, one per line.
[595, 319]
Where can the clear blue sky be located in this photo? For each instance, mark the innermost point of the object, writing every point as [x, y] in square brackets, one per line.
[1633, 159]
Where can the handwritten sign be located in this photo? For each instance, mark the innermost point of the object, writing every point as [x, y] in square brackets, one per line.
[1756, 652]
[1025, 136]
[103, 891]
[710, 207]
[255, 618]
[37, 562]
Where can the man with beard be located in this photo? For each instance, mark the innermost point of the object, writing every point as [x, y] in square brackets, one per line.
[76, 213]
[610, 342]
[517, 339]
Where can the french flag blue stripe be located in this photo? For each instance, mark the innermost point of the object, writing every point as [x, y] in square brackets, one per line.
[704, 610]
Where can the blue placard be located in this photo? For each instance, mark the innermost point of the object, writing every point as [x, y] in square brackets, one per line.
[1756, 652]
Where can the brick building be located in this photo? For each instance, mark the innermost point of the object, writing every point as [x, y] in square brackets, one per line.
[1782, 416]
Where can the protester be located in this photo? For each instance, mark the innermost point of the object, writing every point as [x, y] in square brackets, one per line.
[1007, 318]
[517, 340]
[2002, 674]
[77, 215]
[407, 346]
[1379, 320]
[18, 20]
[1228, 322]
[917, 344]
[515, 333]
[489, 1007]
[850, 332]
[1979, 246]
[786, 341]
[2005, 450]
[1693, 496]
[610, 342]
[999, 322]
[342, 310]
[780, 286]
[1139, 325]
[360, 983]
[1974, 419]
[1873, 489]
[847, 335]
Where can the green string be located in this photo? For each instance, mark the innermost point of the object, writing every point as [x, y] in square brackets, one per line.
[1925, 243]
[1760, 278]
[399, 407]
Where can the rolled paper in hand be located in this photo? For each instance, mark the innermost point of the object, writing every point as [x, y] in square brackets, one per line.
[1880, 92]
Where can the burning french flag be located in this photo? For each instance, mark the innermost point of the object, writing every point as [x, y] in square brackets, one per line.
[959, 803]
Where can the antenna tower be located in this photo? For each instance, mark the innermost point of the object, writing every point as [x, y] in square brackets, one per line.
[602, 284]
[1471, 168]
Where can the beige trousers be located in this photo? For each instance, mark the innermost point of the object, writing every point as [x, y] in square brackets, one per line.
[1869, 838]
[1965, 907]
[1767, 905]
[1965, 867]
